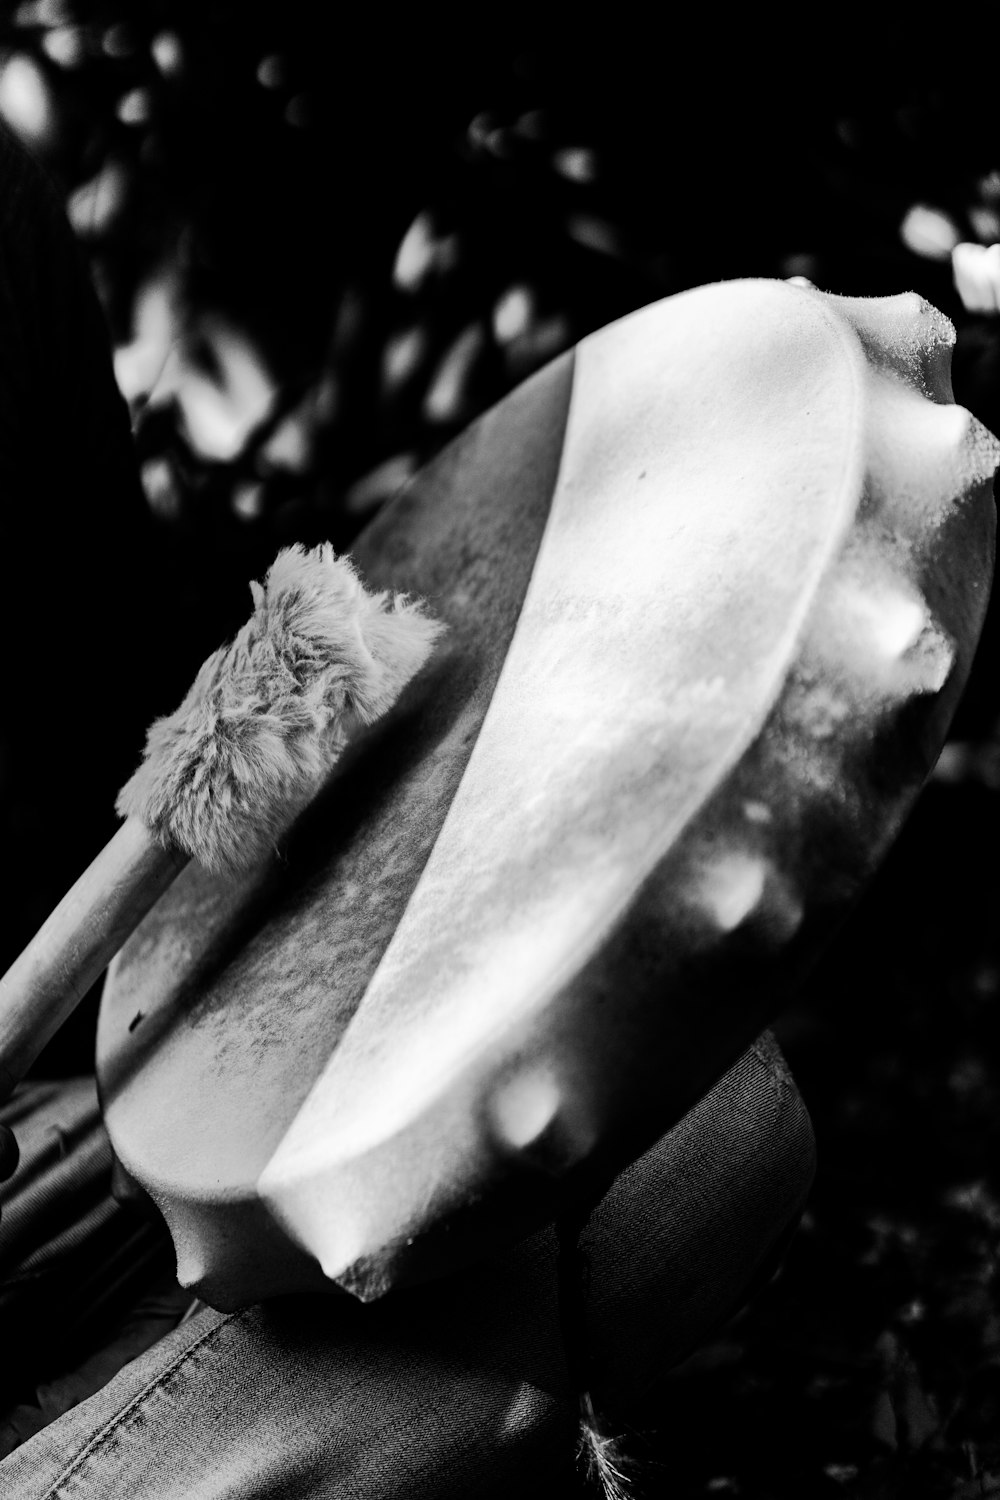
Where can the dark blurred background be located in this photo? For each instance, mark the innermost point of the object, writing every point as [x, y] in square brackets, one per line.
[322, 247]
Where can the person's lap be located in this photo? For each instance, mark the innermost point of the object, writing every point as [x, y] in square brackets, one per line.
[456, 1388]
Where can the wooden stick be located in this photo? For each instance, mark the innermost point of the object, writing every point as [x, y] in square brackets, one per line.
[77, 942]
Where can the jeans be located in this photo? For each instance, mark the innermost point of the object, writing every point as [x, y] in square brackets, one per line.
[458, 1389]
[455, 1389]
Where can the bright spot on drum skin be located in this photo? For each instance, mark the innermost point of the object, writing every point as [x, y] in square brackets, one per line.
[894, 620]
[524, 1107]
[731, 888]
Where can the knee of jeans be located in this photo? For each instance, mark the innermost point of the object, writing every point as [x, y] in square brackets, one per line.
[679, 1241]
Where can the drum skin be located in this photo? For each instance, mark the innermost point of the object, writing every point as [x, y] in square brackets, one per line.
[712, 585]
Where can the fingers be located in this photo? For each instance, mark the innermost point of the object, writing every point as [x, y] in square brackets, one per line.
[8, 1152]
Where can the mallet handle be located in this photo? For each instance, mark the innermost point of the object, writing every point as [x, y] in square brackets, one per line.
[78, 941]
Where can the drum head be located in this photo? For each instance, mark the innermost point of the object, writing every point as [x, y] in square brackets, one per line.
[704, 637]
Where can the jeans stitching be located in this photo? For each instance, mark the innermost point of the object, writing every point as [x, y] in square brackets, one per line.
[114, 1422]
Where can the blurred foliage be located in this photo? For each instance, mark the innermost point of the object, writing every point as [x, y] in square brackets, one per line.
[322, 251]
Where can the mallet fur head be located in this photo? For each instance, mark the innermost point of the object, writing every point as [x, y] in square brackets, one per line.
[268, 715]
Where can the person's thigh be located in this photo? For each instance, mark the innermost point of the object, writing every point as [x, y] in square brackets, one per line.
[460, 1388]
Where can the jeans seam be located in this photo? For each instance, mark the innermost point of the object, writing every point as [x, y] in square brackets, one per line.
[119, 1417]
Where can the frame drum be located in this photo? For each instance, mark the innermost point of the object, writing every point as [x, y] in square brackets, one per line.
[712, 585]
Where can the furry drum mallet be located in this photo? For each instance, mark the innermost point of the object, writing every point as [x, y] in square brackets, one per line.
[263, 723]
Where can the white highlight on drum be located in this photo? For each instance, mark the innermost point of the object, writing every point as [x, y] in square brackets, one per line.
[731, 887]
[524, 1106]
[895, 622]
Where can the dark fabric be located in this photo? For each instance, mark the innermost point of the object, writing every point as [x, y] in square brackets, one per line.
[456, 1389]
[85, 1283]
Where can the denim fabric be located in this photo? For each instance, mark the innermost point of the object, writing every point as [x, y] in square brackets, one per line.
[461, 1388]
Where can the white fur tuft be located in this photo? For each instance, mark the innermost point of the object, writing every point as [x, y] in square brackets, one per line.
[268, 715]
[600, 1459]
